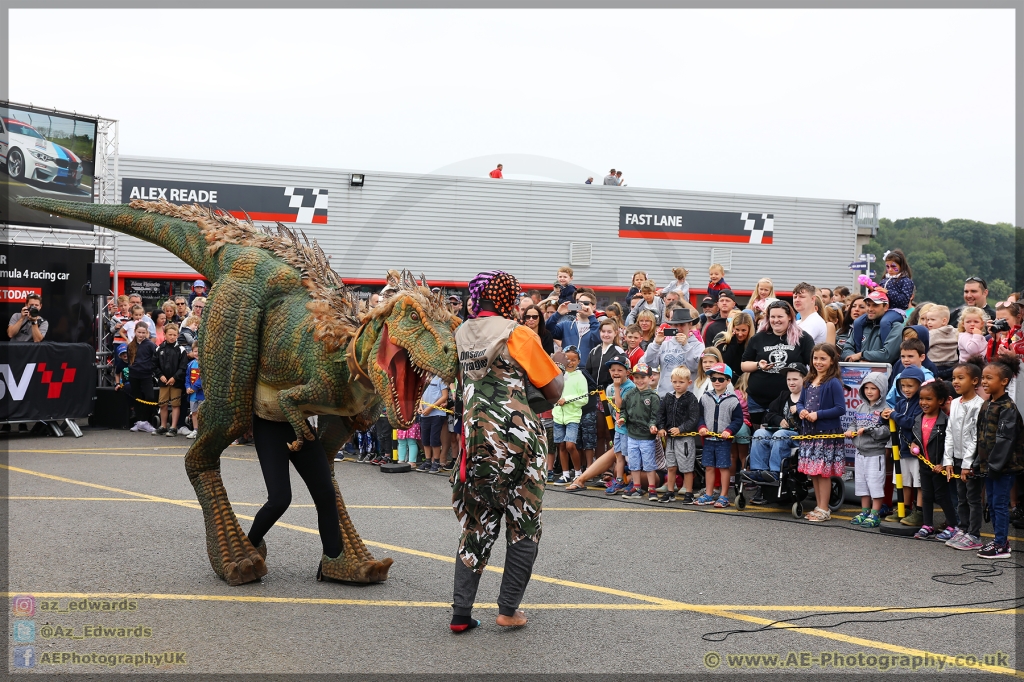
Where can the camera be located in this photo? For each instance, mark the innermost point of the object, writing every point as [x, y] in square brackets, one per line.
[33, 311]
[1001, 326]
[671, 331]
[573, 308]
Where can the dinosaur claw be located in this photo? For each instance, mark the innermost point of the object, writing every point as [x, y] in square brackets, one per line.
[295, 445]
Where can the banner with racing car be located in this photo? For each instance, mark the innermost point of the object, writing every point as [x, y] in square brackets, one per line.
[46, 381]
[306, 205]
[45, 154]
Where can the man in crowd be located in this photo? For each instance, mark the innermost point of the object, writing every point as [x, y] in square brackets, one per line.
[810, 321]
[581, 329]
[28, 326]
[181, 311]
[610, 179]
[726, 303]
[590, 181]
[709, 314]
[618, 179]
[975, 294]
[496, 173]
[873, 348]
[826, 295]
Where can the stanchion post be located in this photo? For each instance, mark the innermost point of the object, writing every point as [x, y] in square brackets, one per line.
[394, 444]
[897, 528]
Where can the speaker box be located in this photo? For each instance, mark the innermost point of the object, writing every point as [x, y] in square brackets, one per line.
[98, 279]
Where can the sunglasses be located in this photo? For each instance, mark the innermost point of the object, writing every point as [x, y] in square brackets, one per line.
[719, 380]
[531, 317]
[979, 280]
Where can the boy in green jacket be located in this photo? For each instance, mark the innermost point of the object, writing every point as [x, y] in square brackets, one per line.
[640, 410]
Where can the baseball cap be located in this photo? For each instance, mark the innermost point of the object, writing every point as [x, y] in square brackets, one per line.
[797, 367]
[878, 297]
[721, 368]
[707, 302]
[727, 293]
[642, 369]
[199, 283]
[122, 348]
[617, 359]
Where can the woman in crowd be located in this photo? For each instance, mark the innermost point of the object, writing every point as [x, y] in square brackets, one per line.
[169, 310]
[733, 341]
[777, 343]
[1009, 342]
[855, 307]
[159, 320]
[189, 331]
[533, 318]
[764, 296]
[648, 322]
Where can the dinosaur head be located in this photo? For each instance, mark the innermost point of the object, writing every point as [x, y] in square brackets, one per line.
[414, 342]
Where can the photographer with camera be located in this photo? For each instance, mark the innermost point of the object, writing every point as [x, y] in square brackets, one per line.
[675, 344]
[28, 326]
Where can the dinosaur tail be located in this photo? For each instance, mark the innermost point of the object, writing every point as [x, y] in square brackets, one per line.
[183, 238]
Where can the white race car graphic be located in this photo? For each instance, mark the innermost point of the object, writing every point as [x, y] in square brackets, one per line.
[27, 154]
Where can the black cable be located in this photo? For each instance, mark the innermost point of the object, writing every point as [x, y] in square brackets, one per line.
[987, 570]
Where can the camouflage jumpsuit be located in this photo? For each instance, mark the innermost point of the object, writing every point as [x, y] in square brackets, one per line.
[505, 445]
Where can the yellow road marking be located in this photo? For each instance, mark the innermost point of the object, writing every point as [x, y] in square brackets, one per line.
[683, 606]
[178, 455]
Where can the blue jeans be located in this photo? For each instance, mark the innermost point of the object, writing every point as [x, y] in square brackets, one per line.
[888, 320]
[768, 454]
[997, 492]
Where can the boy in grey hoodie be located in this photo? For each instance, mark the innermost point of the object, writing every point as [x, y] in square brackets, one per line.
[871, 437]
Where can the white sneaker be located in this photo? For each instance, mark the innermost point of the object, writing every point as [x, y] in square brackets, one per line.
[184, 431]
[146, 427]
[135, 427]
[192, 436]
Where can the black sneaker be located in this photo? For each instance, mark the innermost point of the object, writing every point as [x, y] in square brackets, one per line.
[687, 498]
[160, 431]
[994, 551]
[667, 497]
[447, 466]
[758, 498]
[424, 466]
[435, 467]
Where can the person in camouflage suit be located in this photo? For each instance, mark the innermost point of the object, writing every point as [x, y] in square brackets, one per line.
[501, 471]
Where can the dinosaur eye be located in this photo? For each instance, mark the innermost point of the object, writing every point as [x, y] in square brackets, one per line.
[415, 317]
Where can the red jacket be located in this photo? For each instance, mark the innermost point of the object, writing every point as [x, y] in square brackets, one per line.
[496, 173]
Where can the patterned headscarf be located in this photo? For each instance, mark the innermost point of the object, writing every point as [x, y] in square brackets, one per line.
[496, 286]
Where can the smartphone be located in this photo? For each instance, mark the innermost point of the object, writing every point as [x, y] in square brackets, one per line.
[573, 308]
[671, 331]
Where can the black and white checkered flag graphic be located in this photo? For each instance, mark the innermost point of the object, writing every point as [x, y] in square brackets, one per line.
[307, 200]
[757, 224]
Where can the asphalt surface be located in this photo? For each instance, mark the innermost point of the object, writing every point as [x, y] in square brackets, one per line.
[619, 587]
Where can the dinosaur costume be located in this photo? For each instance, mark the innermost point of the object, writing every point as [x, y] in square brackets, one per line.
[280, 338]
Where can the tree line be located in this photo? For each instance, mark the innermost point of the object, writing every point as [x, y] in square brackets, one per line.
[943, 254]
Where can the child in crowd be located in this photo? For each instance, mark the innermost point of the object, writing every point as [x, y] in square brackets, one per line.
[716, 280]
[898, 285]
[119, 318]
[121, 367]
[142, 359]
[708, 359]
[930, 443]
[912, 354]
[741, 439]
[408, 447]
[773, 441]
[679, 414]
[958, 457]
[567, 294]
[871, 438]
[171, 362]
[821, 405]
[194, 388]
[971, 340]
[679, 286]
[639, 277]
[137, 313]
[432, 421]
[651, 302]
[619, 368]
[764, 296]
[943, 349]
[640, 417]
[634, 351]
[721, 415]
[905, 413]
[567, 413]
[1000, 456]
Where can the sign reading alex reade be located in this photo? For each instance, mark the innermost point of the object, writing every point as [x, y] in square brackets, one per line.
[281, 204]
[706, 226]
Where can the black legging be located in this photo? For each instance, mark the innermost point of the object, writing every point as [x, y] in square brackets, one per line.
[142, 388]
[271, 439]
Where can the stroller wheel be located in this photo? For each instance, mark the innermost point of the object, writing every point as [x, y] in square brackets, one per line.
[798, 510]
[741, 501]
[836, 493]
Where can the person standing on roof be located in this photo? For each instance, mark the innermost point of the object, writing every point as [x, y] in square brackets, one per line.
[496, 173]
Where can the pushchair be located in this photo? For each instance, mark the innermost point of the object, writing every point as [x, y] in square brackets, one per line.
[792, 487]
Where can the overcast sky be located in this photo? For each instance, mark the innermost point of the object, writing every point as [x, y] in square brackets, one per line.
[910, 108]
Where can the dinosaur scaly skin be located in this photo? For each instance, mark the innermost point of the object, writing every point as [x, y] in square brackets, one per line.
[280, 337]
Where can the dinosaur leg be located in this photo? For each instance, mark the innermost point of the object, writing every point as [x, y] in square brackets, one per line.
[231, 554]
[231, 324]
[355, 564]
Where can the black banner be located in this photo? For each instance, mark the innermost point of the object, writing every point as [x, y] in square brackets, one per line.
[271, 204]
[59, 276]
[704, 226]
[44, 381]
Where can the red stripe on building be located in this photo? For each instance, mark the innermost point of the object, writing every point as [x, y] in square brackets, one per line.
[692, 236]
[277, 217]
